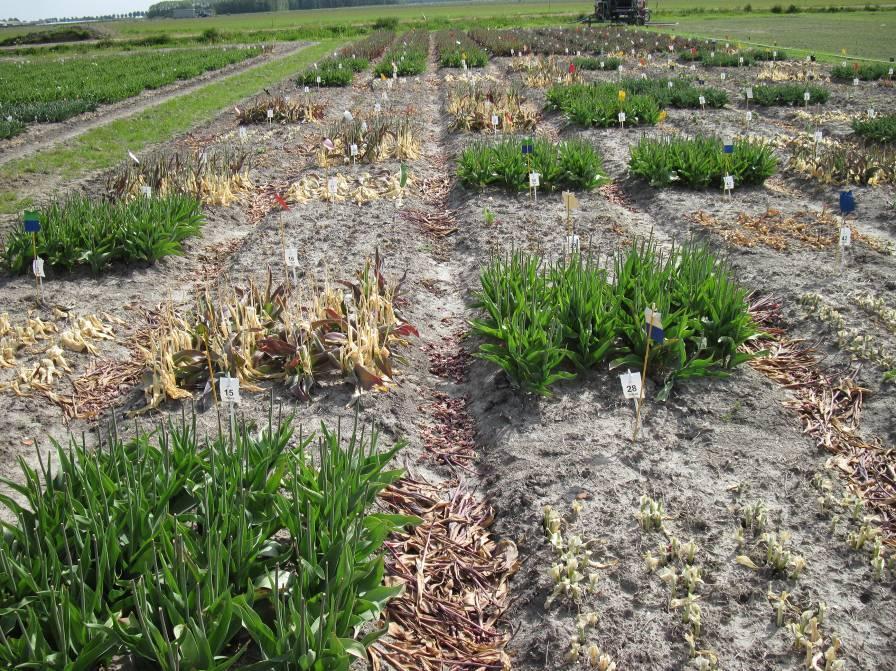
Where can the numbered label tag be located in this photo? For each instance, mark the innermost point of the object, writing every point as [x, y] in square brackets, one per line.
[292, 257]
[377, 108]
[307, 89]
[701, 343]
[495, 120]
[332, 186]
[353, 150]
[270, 114]
[601, 65]
[572, 244]
[729, 182]
[702, 101]
[670, 84]
[318, 80]
[749, 117]
[855, 81]
[243, 133]
[146, 191]
[749, 93]
[534, 180]
[845, 236]
[229, 389]
[774, 55]
[622, 117]
[37, 267]
[631, 385]
[807, 96]
[724, 76]
[871, 113]
[818, 136]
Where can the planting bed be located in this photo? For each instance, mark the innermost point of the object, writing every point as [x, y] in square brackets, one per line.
[549, 537]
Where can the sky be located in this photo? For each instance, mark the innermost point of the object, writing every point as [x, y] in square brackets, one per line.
[28, 10]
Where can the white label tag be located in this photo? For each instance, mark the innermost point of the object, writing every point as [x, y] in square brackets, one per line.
[292, 257]
[377, 108]
[871, 113]
[631, 385]
[670, 84]
[729, 182]
[702, 101]
[749, 116]
[845, 236]
[572, 244]
[807, 96]
[37, 267]
[229, 389]
[270, 114]
[318, 80]
[855, 81]
[622, 117]
[146, 191]
[243, 133]
[534, 179]
[774, 54]
[818, 135]
[332, 185]
[749, 93]
[307, 89]
[723, 76]
[701, 343]
[495, 120]
[601, 65]
[353, 150]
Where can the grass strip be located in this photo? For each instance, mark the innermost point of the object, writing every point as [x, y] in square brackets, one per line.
[104, 146]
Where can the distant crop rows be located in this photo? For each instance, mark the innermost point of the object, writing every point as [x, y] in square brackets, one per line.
[54, 89]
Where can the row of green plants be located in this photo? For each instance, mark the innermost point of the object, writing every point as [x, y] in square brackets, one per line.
[776, 95]
[340, 68]
[455, 48]
[701, 162]
[611, 63]
[727, 58]
[81, 231]
[863, 71]
[571, 164]
[176, 552]
[599, 105]
[642, 100]
[544, 322]
[49, 89]
[407, 57]
[880, 129]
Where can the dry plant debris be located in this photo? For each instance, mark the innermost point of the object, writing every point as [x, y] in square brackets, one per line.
[455, 577]
[472, 107]
[439, 224]
[786, 71]
[294, 335]
[777, 230]
[379, 138]
[542, 72]
[451, 438]
[360, 189]
[832, 161]
[830, 410]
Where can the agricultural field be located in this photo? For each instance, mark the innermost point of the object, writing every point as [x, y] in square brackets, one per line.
[531, 348]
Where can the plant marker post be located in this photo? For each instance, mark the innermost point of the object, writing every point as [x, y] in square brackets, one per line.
[572, 240]
[229, 389]
[847, 206]
[283, 206]
[654, 329]
[728, 180]
[32, 225]
[631, 389]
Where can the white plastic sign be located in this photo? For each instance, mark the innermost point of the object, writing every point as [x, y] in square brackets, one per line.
[243, 133]
[572, 244]
[292, 257]
[229, 389]
[749, 93]
[871, 113]
[37, 267]
[845, 236]
[729, 182]
[146, 191]
[318, 80]
[622, 117]
[270, 114]
[307, 89]
[818, 135]
[855, 81]
[353, 150]
[807, 96]
[377, 108]
[332, 185]
[702, 101]
[631, 385]
[723, 76]
[749, 117]
[495, 120]
[534, 180]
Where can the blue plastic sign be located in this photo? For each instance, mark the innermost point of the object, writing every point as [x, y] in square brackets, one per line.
[728, 149]
[32, 222]
[527, 146]
[847, 202]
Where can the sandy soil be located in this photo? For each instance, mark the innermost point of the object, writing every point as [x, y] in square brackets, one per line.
[714, 447]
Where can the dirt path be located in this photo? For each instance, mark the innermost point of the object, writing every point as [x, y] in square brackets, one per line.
[38, 137]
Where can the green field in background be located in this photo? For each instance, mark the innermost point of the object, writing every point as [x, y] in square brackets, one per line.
[862, 34]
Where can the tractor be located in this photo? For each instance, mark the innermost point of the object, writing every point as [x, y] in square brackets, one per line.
[619, 11]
